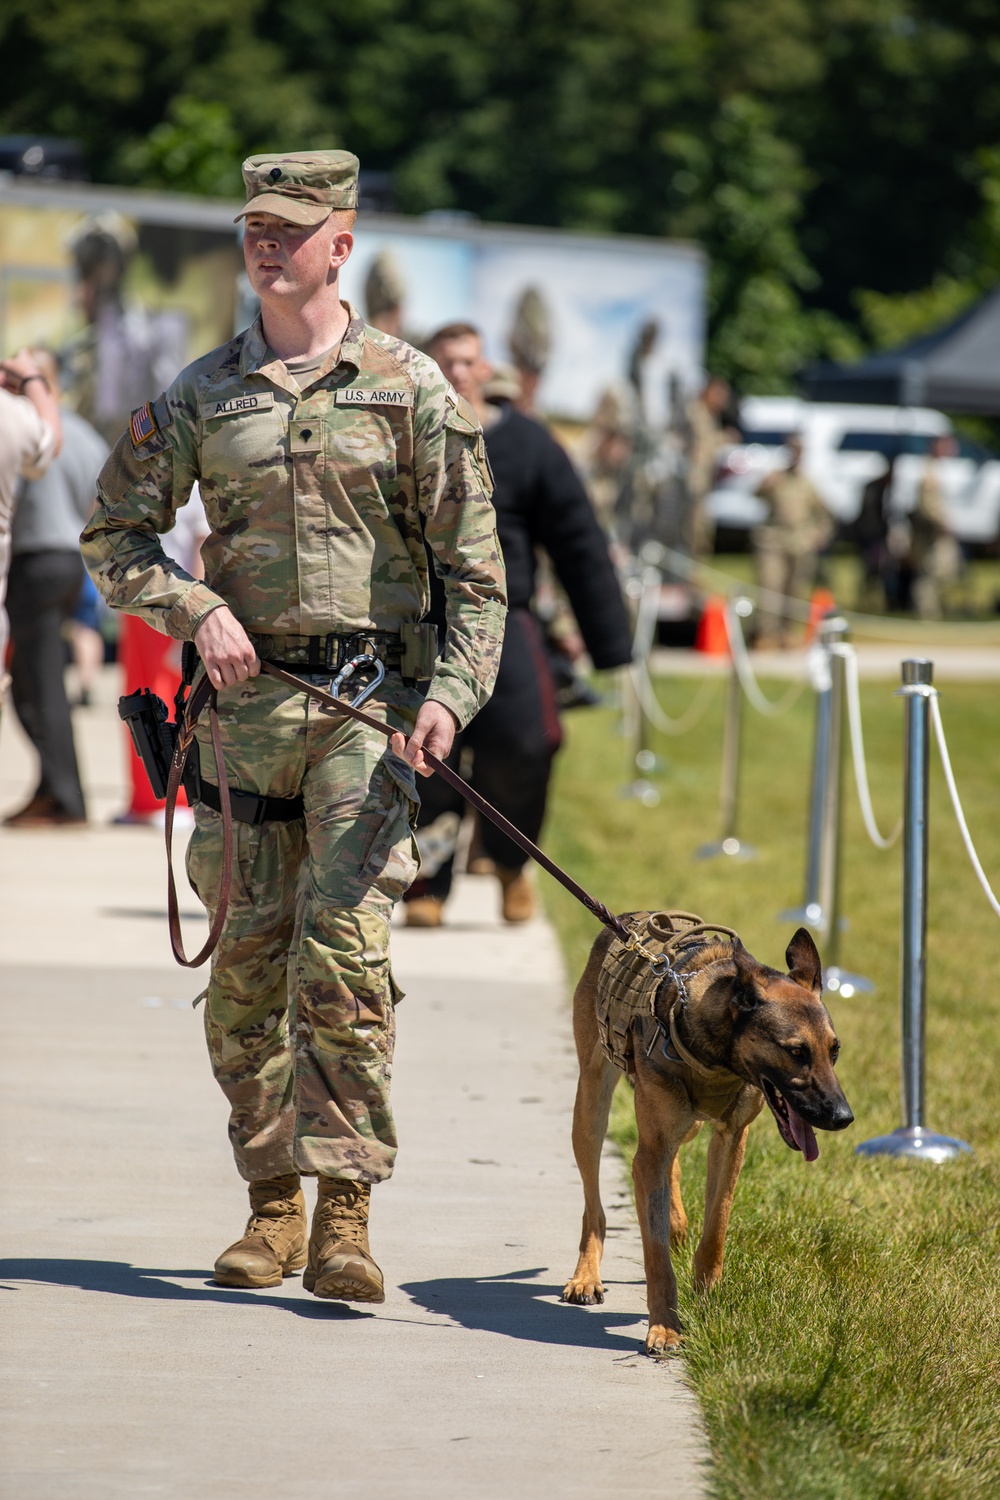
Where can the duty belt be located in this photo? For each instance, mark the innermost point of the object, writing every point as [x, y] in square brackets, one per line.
[251, 807]
[322, 654]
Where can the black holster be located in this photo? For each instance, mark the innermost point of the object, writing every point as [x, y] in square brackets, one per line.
[154, 736]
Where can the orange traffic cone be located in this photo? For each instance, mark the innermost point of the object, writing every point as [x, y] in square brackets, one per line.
[822, 603]
[712, 637]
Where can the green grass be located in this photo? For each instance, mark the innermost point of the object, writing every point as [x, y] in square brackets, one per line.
[853, 1349]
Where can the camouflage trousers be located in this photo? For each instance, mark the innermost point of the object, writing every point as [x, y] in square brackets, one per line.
[299, 1012]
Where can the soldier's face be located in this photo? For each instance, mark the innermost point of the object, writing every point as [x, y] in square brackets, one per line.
[461, 361]
[292, 262]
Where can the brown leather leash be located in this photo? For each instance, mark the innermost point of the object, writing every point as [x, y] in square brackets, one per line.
[205, 693]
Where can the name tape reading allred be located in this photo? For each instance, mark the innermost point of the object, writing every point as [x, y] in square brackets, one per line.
[356, 395]
[236, 406]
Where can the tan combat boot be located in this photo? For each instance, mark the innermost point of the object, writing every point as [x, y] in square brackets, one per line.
[518, 895]
[274, 1244]
[340, 1263]
[424, 911]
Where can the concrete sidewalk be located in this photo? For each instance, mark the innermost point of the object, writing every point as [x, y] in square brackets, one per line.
[127, 1373]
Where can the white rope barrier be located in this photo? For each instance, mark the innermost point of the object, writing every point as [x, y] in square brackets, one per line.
[649, 703]
[858, 749]
[745, 672]
[956, 803]
[647, 613]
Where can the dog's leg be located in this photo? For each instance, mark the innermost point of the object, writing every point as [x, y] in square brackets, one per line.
[725, 1158]
[653, 1171]
[590, 1125]
[678, 1214]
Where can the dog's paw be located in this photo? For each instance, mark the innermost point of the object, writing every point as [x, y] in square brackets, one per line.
[662, 1342]
[583, 1293]
[707, 1278]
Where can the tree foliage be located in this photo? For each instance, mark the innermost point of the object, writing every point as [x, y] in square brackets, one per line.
[833, 156]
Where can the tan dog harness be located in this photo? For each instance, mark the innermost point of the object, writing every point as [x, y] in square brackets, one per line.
[632, 978]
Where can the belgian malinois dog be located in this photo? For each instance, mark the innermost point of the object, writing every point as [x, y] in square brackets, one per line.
[728, 1036]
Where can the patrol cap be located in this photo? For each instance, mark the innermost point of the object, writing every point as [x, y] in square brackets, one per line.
[302, 187]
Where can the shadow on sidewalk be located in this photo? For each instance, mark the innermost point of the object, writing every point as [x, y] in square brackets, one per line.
[511, 1303]
[122, 1280]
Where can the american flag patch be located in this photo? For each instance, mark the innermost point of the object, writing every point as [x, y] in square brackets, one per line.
[142, 425]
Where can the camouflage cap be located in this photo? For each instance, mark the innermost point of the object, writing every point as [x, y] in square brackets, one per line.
[303, 187]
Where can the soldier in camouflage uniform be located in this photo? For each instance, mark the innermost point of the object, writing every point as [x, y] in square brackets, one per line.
[326, 453]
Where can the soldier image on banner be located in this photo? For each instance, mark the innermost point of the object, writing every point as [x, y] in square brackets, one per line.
[336, 465]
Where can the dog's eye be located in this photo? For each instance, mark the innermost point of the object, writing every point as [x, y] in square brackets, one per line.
[834, 1052]
[800, 1054]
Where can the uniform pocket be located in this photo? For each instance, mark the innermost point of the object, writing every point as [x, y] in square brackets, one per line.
[390, 859]
[263, 872]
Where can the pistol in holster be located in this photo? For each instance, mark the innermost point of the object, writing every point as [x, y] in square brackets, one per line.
[154, 735]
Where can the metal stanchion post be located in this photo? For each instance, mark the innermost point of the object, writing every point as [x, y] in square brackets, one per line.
[913, 1138]
[836, 980]
[730, 844]
[831, 630]
[645, 761]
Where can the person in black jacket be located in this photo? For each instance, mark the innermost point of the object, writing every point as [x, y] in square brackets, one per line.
[540, 502]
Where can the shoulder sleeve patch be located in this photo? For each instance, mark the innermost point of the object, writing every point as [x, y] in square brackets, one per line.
[463, 418]
[146, 427]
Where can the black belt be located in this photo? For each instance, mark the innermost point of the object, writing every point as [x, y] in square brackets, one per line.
[327, 653]
[251, 807]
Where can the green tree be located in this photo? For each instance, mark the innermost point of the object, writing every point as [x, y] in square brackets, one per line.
[814, 147]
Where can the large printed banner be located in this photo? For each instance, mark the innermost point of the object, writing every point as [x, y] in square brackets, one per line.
[129, 286]
[582, 301]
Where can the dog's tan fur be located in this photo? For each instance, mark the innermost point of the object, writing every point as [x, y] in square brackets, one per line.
[741, 1017]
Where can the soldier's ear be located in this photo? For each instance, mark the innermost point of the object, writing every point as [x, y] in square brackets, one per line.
[803, 962]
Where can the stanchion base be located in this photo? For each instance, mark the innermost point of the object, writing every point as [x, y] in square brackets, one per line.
[730, 848]
[837, 981]
[811, 914]
[641, 791]
[916, 1142]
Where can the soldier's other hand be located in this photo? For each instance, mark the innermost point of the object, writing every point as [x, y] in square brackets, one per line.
[434, 730]
[225, 648]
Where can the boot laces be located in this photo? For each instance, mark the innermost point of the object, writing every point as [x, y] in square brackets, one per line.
[268, 1227]
[343, 1214]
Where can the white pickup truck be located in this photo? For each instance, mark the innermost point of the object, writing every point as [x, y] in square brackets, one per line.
[846, 446]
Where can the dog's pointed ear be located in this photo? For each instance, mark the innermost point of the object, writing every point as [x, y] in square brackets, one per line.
[745, 996]
[804, 963]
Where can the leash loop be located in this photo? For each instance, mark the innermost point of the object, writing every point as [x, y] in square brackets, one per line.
[203, 693]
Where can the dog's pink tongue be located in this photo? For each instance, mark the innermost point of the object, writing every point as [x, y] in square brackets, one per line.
[805, 1136]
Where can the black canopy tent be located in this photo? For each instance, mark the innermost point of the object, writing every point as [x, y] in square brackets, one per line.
[955, 368]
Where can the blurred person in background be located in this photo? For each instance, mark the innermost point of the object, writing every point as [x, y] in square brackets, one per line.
[709, 431]
[540, 501]
[30, 437]
[46, 575]
[87, 640]
[935, 556]
[787, 545]
[870, 531]
[149, 659]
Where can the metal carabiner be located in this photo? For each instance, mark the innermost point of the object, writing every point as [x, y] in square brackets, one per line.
[360, 663]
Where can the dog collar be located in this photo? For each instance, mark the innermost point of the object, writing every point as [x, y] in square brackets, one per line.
[687, 1057]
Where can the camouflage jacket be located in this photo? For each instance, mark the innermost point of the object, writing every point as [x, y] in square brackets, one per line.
[319, 502]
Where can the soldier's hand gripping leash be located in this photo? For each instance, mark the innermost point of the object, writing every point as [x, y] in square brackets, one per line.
[151, 734]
